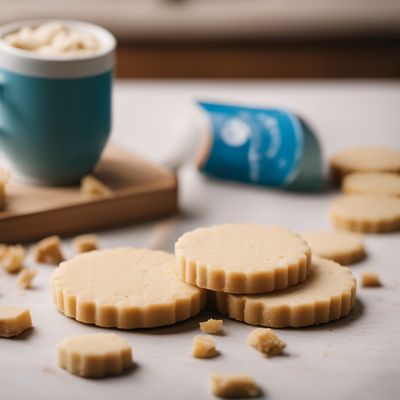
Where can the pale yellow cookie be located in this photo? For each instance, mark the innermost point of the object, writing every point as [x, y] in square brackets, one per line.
[266, 342]
[14, 321]
[387, 184]
[234, 386]
[211, 326]
[366, 213]
[340, 246]
[95, 355]
[365, 159]
[327, 294]
[125, 288]
[204, 347]
[242, 258]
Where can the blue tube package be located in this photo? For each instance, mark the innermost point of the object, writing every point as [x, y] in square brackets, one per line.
[265, 146]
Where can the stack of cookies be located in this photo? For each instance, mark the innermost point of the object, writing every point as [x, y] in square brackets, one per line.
[262, 275]
[370, 178]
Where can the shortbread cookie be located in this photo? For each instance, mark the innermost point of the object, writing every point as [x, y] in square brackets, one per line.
[25, 278]
[125, 288]
[340, 246]
[212, 326]
[387, 184]
[365, 159]
[14, 321]
[95, 355]
[234, 386]
[370, 279]
[49, 251]
[327, 294]
[242, 258]
[85, 243]
[366, 213]
[204, 347]
[266, 342]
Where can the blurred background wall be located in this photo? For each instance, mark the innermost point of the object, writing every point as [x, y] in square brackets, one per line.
[239, 38]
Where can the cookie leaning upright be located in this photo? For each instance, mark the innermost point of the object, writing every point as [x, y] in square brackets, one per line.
[242, 258]
[124, 288]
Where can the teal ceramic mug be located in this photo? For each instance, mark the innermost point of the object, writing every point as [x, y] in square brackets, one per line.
[55, 112]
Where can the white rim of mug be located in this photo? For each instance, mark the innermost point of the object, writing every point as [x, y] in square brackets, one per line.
[29, 63]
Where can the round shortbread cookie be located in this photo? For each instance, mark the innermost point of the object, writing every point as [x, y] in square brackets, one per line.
[125, 288]
[366, 213]
[242, 258]
[327, 294]
[95, 355]
[365, 159]
[387, 184]
[342, 247]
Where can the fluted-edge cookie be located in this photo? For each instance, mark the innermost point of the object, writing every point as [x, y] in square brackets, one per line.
[327, 294]
[242, 258]
[343, 247]
[386, 184]
[124, 288]
[364, 159]
[95, 355]
[366, 213]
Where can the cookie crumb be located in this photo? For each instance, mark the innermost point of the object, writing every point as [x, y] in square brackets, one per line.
[13, 258]
[265, 341]
[85, 243]
[211, 326]
[25, 278]
[93, 187]
[370, 279]
[204, 347]
[49, 251]
[234, 386]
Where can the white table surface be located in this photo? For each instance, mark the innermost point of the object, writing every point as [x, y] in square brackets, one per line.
[357, 357]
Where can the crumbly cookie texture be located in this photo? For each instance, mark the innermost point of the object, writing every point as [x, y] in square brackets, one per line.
[370, 279]
[327, 294]
[49, 251]
[234, 386]
[211, 326]
[25, 278]
[387, 184]
[204, 347]
[12, 258]
[242, 258]
[95, 355]
[14, 321]
[340, 246]
[85, 243]
[4, 178]
[124, 288]
[365, 159]
[366, 213]
[91, 186]
[266, 341]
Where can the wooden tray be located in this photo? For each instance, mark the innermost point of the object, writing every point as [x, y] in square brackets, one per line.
[141, 191]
